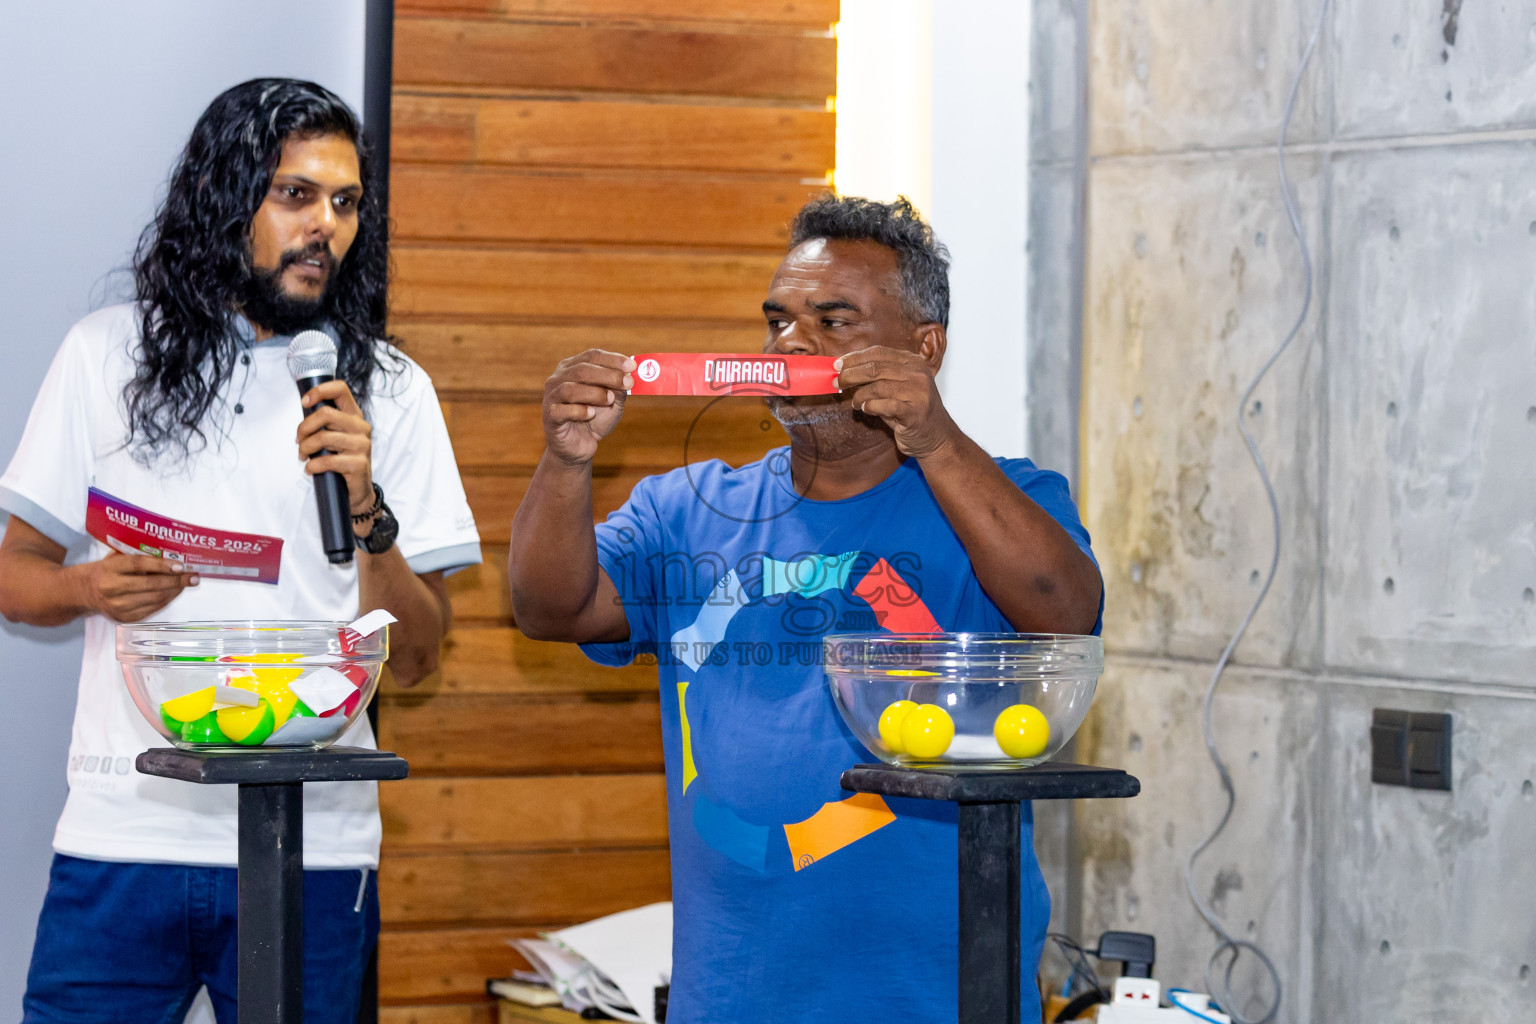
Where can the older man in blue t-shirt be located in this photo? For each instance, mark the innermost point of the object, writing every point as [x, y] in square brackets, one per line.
[795, 901]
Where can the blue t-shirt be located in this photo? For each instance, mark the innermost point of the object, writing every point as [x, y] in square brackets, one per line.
[794, 900]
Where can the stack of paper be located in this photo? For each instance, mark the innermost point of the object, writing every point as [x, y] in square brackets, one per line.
[613, 964]
[518, 990]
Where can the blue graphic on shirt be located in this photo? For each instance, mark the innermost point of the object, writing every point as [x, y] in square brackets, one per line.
[695, 644]
[808, 576]
[718, 826]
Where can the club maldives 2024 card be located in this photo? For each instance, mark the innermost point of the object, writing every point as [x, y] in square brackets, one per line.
[204, 550]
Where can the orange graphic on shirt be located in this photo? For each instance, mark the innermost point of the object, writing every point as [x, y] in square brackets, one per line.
[835, 826]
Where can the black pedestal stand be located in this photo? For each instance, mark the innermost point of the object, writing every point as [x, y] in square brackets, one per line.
[271, 857]
[989, 860]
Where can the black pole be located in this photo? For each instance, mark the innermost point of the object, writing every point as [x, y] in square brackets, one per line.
[988, 860]
[270, 930]
[378, 86]
[989, 913]
[378, 92]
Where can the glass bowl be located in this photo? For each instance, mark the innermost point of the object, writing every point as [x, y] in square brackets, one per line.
[250, 685]
[972, 700]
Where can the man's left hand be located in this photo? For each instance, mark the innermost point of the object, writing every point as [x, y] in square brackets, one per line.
[897, 386]
[344, 433]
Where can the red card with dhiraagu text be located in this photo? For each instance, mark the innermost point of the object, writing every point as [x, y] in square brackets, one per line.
[202, 549]
[706, 373]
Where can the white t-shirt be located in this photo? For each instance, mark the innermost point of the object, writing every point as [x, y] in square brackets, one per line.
[247, 478]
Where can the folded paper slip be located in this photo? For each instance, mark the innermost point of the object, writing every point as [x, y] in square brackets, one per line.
[710, 374]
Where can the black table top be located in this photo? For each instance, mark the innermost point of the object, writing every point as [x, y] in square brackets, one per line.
[1049, 781]
[333, 764]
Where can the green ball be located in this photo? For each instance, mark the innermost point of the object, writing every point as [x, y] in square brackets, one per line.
[301, 710]
[204, 730]
[172, 724]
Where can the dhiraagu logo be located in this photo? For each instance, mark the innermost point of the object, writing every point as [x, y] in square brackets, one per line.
[648, 370]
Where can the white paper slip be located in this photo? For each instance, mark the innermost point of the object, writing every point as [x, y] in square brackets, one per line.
[975, 746]
[323, 689]
[370, 623]
[297, 731]
[234, 697]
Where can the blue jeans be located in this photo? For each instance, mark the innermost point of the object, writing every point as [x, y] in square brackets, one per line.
[132, 943]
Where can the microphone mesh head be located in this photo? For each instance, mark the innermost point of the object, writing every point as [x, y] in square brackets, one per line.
[311, 354]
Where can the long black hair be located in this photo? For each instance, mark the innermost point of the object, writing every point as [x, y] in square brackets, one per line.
[194, 260]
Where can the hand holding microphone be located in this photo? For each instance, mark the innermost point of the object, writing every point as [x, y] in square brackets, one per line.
[335, 439]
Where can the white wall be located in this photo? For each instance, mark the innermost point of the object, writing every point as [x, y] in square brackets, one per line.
[99, 99]
[933, 103]
[884, 100]
[980, 209]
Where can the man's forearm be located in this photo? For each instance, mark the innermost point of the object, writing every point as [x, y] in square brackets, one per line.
[386, 581]
[1026, 562]
[553, 567]
[40, 592]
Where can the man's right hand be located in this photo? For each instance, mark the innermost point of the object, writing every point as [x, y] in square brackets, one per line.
[583, 400]
[37, 588]
[127, 588]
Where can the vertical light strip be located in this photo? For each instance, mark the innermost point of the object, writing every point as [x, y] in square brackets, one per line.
[933, 104]
[981, 210]
[884, 100]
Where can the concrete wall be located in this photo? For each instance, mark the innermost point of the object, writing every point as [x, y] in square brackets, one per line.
[1057, 180]
[1398, 430]
[102, 96]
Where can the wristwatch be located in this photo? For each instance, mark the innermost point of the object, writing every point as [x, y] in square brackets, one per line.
[385, 526]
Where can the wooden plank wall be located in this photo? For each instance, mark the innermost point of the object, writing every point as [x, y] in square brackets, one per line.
[567, 173]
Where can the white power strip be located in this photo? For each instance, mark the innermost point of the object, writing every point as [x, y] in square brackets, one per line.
[1136, 1002]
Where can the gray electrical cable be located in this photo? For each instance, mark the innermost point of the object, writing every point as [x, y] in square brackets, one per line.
[1229, 945]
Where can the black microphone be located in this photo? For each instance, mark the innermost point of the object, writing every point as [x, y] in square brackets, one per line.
[312, 361]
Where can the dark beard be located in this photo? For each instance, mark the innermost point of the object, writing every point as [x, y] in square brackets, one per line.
[827, 423]
[818, 411]
[265, 304]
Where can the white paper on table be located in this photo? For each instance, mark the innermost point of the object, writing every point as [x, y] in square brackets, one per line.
[632, 948]
[562, 971]
[322, 690]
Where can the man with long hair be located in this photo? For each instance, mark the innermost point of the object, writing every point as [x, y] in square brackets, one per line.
[181, 403]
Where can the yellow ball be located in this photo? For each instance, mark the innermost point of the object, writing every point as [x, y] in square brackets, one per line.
[890, 725]
[189, 707]
[1022, 731]
[927, 731]
[246, 726]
